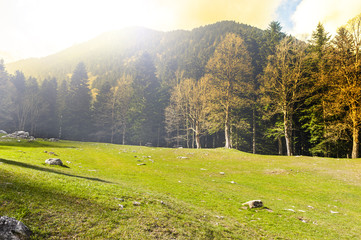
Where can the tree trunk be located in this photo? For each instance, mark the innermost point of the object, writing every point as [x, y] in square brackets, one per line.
[227, 133]
[198, 142]
[280, 147]
[112, 135]
[355, 141]
[123, 137]
[288, 134]
[254, 131]
[60, 125]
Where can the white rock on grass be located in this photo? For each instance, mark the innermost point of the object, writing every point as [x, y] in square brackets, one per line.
[254, 204]
[54, 161]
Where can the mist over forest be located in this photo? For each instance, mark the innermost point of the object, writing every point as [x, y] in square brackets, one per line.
[221, 85]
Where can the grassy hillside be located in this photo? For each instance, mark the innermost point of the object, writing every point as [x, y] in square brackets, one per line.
[128, 192]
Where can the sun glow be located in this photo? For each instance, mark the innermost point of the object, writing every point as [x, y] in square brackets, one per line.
[36, 28]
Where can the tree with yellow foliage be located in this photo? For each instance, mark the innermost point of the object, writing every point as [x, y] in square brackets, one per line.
[229, 71]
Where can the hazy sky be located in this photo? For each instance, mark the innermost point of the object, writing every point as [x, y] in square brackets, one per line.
[35, 28]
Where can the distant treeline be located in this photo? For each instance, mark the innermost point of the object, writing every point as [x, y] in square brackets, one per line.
[225, 84]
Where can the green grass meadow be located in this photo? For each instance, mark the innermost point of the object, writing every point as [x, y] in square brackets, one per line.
[110, 191]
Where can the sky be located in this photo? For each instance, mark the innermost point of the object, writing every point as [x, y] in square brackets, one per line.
[37, 28]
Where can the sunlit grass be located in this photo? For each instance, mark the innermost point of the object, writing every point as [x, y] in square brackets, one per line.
[182, 193]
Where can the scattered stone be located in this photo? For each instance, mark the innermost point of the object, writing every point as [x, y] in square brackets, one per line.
[54, 161]
[310, 207]
[302, 211]
[163, 203]
[136, 203]
[203, 169]
[219, 217]
[254, 204]
[19, 135]
[290, 209]
[3, 132]
[222, 173]
[333, 212]
[119, 199]
[141, 164]
[233, 182]
[52, 153]
[12, 229]
[180, 157]
[121, 206]
[302, 220]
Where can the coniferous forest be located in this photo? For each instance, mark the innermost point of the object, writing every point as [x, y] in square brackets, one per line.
[222, 85]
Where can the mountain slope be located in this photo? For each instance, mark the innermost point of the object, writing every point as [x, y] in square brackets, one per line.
[107, 54]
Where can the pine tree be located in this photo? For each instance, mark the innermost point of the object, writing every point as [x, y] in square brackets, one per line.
[77, 117]
[32, 105]
[146, 108]
[61, 105]
[19, 114]
[314, 118]
[6, 103]
[102, 113]
[48, 119]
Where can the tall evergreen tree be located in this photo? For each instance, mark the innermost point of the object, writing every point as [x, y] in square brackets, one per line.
[48, 118]
[314, 116]
[32, 105]
[102, 113]
[6, 91]
[62, 94]
[77, 116]
[20, 114]
[147, 112]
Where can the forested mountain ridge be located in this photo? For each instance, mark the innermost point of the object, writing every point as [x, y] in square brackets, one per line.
[225, 84]
[106, 55]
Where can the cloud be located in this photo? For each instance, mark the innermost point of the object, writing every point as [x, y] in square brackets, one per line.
[331, 13]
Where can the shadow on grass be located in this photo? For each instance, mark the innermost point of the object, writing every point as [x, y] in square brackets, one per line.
[25, 143]
[25, 165]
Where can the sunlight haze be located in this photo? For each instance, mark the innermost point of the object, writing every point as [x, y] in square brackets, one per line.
[36, 28]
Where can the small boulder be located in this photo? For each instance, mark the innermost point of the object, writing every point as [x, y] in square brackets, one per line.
[136, 203]
[254, 204]
[3, 132]
[54, 161]
[10, 228]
